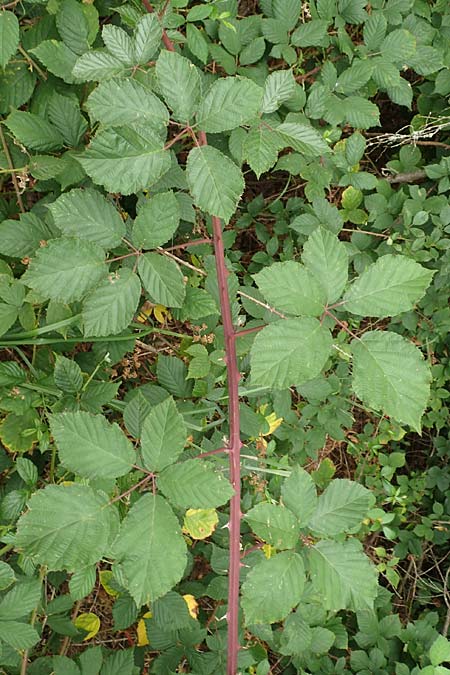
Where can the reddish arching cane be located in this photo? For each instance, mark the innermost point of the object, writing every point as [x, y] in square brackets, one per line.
[235, 444]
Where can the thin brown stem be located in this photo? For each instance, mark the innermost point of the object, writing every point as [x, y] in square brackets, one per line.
[219, 451]
[180, 261]
[142, 482]
[248, 331]
[342, 325]
[11, 166]
[195, 242]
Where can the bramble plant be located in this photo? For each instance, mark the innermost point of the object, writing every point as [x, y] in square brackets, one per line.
[168, 392]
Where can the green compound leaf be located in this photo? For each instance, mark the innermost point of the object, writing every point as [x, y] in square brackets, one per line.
[9, 36]
[18, 635]
[97, 65]
[82, 582]
[66, 269]
[298, 493]
[289, 352]
[73, 26]
[150, 549]
[89, 446]
[163, 436]
[340, 508]
[21, 238]
[179, 83]
[162, 279]
[278, 88]
[260, 149]
[86, 214]
[67, 374]
[7, 576]
[66, 527]
[126, 101]
[274, 524]
[118, 43]
[391, 375]
[8, 317]
[291, 288]
[34, 131]
[391, 285]
[326, 258]
[57, 58]
[360, 113]
[229, 103]
[194, 484]
[342, 575]
[302, 138]
[20, 600]
[110, 307]
[215, 182]
[125, 159]
[272, 588]
[157, 220]
[147, 38]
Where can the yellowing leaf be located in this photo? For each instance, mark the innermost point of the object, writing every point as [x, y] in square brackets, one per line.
[268, 550]
[161, 313]
[90, 623]
[142, 637]
[192, 605]
[200, 523]
[274, 422]
[105, 579]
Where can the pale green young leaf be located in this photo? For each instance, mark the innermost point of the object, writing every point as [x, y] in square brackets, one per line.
[89, 446]
[150, 549]
[342, 575]
[299, 494]
[163, 435]
[289, 352]
[302, 138]
[110, 307]
[340, 508]
[66, 269]
[291, 288]
[125, 159]
[124, 101]
[86, 214]
[65, 527]
[18, 635]
[391, 375]
[276, 525]
[391, 285]
[67, 374]
[21, 600]
[73, 26]
[215, 182]
[34, 131]
[162, 279]
[260, 149]
[147, 38]
[156, 221]
[179, 83]
[82, 582]
[278, 88]
[229, 103]
[273, 588]
[326, 258]
[9, 36]
[20, 238]
[194, 484]
[97, 65]
[58, 59]
[64, 114]
[118, 43]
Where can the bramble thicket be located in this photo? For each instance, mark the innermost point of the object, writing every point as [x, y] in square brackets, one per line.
[224, 274]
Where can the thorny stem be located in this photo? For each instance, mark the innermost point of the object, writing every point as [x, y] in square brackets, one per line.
[234, 445]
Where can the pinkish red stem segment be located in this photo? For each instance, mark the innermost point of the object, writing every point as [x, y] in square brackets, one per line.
[234, 445]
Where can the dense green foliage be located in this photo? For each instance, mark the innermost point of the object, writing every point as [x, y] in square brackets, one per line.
[318, 134]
